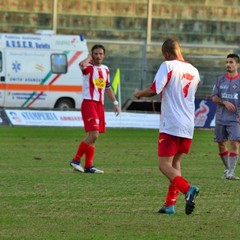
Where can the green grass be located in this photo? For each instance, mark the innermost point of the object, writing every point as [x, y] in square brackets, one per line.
[42, 198]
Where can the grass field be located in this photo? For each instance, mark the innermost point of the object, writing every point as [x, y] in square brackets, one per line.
[43, 198]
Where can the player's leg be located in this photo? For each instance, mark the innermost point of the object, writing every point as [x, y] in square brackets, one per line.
[221, 137]
[170, 201]
[170, 151]
[83, 146]
[76, 162]
[190, 191]
[87, 146]
[176, 178]
[224, 155]
[232, 161]
[99, 126]
[173, 192]
[168, 165]
[89, 154]
[234, 138]
[165, 166]
[182, 146]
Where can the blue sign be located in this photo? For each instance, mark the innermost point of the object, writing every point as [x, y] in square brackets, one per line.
[204, 113]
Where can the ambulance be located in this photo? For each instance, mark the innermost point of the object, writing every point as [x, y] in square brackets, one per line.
[41, 71]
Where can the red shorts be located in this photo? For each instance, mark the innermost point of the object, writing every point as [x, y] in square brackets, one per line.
[169, 145]
[93, 116]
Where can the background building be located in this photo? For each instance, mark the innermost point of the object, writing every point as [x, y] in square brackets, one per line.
[133, 31]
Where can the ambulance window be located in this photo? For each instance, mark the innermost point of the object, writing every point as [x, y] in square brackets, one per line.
[58, 63]
[1, 61]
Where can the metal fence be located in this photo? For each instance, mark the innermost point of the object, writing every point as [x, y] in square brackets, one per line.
[139, 62]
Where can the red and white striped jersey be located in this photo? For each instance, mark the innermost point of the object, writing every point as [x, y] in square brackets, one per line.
[95, 80]
[177, 81]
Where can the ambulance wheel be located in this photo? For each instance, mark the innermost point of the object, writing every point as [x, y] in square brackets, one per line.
[64, 104]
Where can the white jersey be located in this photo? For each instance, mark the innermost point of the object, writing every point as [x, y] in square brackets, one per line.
[177, 81]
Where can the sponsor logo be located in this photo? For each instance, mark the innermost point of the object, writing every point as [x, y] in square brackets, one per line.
[160, 140]
[89, 119]
[99, 82]
[229, 96]
[15, 117]
[223, 86]
[201, 114]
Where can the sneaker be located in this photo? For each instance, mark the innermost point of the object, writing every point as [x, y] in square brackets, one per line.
[190, 198]
[231, 176]
[167, 210]
[77, 166]
[93, 170]
[225, 174]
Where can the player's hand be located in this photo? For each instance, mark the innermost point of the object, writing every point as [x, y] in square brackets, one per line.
[85, 62]
[229, 106]
[116, 110]
[136, 94]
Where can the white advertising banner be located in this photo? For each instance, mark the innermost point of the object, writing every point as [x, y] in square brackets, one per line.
[44, 118]
[74, 119]
[133, 120]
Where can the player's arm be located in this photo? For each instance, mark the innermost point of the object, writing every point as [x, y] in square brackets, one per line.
[230, 106]
[112, 97]
[159, 83]
[85, 62]
[147, 92]
[218, 100]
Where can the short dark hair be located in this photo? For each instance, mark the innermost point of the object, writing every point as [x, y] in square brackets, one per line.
[96, 46]
[171, 45]
[234, 56]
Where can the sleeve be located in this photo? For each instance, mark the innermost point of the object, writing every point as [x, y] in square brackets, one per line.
[162, 76]
[86, 70]
[108, 84]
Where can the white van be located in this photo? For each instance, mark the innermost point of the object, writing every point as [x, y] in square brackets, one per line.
[41, 71]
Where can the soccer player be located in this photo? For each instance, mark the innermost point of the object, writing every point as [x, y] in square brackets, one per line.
[226, 94]
[177, 82]
[96, 83]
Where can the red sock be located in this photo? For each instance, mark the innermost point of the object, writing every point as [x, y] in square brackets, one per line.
[233, 154]
[172, 195]
[181, 184]
[224, 153]
[81, 150]
[89, 156]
